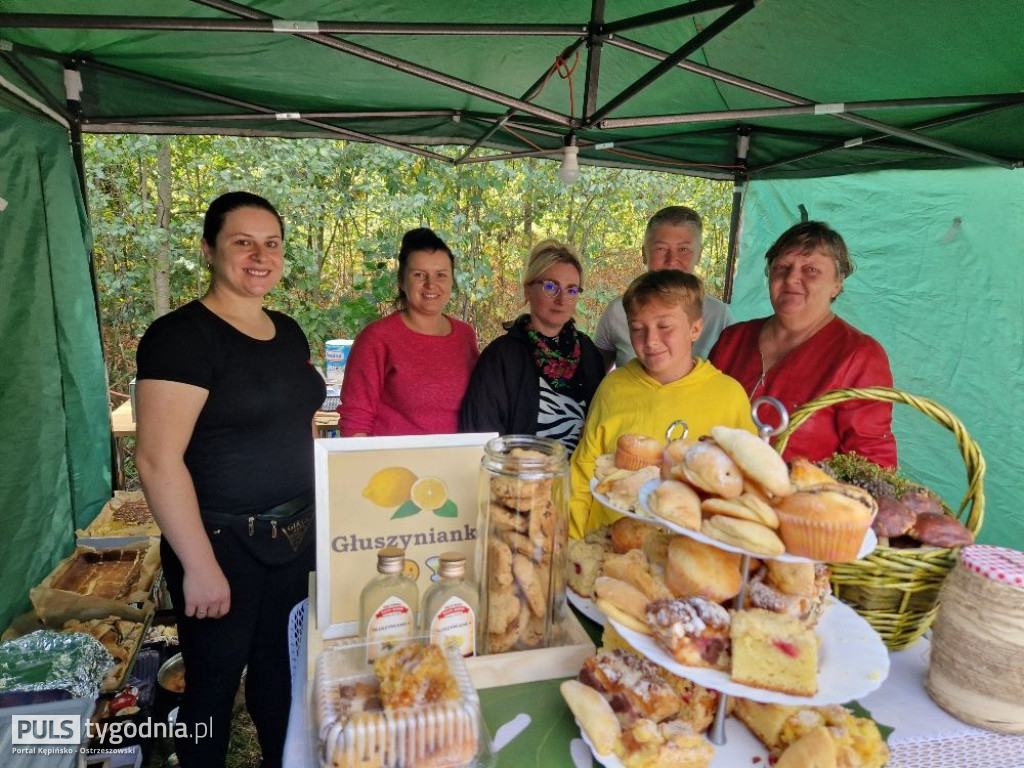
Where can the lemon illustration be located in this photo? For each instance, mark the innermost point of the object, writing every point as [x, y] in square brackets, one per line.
[429, 493]
[411, 569]
[390, 487]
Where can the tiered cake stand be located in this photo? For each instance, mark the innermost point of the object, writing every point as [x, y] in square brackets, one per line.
[852, 659]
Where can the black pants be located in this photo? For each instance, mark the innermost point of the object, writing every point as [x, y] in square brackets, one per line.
[254, 632]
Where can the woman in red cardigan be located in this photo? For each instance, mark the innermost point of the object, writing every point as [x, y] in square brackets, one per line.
[805, 350]
[407, 373]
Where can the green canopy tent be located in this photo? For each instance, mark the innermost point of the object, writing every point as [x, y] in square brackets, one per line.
[774, 93]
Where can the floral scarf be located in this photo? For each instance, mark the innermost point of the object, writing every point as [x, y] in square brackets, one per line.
[557, 358]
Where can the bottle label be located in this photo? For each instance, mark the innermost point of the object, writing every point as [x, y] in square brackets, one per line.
[455, 624]
[393, 620]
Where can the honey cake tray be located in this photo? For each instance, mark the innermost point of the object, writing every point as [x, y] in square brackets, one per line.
[99, 580]
[124, 519]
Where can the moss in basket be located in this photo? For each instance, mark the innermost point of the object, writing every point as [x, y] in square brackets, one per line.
[878, 481]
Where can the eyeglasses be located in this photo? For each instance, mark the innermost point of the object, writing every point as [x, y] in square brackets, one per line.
[552, 289]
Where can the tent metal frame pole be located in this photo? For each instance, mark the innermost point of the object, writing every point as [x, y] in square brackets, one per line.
[271, 25]
[594, 46]
[14, 90]
[750, 85]
[738, 185]
[528, 94]
[878, 139]
[41, 90]
[261, 111]
[723, 22]
[74, 109]
[284, 116]
[665, 14]
[556, 153]
[809, 109]
[401, 65]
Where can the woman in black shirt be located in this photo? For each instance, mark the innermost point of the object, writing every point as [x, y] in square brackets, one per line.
[226, 396]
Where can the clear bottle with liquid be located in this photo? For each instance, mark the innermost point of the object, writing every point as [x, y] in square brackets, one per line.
[388, 603]
[450, 607]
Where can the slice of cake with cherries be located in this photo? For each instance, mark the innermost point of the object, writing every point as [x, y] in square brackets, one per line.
[774, 651]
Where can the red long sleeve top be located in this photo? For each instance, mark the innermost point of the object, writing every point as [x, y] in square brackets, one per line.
[836, 356]
[400, 382]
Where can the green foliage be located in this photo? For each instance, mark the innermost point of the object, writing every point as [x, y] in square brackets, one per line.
[346, 206]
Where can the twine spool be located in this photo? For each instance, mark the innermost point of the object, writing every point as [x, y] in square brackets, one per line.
[976, 671]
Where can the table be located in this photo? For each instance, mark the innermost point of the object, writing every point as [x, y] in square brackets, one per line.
[925, 736]
[122, 425]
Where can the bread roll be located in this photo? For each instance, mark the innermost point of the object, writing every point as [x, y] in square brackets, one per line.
[700, 569]
[625, 492]
[678, 503]
[709, 468]
[747, 535]
[604, 466]
[815, 749]
[634, 569]
[594, 715]
[755, 458]
[634, 452]
[676, 450]
[797, 579]
[625, 599]
[806, 474]
[628, 533]
[759, 513]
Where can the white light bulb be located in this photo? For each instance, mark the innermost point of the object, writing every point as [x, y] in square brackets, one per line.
[570, 168]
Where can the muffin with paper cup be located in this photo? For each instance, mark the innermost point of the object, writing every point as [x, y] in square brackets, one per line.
[826, 522]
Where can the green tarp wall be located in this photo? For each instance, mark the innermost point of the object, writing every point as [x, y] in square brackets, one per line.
[939, 280]
[54, 422]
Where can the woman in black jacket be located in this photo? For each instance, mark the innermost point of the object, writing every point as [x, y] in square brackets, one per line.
[540, 377]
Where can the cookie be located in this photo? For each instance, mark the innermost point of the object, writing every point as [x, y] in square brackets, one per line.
[533, 632]
[520, 544]
[542, 523]
[505, 519]
[518, 494]
[503, 608]
[499, 565]
[528, 579]
[499, 642]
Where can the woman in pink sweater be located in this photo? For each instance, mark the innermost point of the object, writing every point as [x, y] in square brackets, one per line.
[407, 372]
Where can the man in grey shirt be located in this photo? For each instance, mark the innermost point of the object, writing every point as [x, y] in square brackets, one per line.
[672, 240]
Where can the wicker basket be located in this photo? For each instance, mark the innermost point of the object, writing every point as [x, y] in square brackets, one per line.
[896, 590]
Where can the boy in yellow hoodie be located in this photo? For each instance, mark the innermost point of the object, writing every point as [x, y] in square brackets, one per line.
[664, 383]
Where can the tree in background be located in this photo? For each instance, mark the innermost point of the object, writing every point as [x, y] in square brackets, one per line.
[346, 206]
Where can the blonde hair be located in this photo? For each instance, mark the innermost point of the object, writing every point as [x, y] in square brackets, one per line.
[546, 254]
[669, 286]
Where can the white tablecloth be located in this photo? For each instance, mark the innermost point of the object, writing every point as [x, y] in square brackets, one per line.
[925, 736]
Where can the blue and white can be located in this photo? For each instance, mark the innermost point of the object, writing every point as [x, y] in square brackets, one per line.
[335, 357]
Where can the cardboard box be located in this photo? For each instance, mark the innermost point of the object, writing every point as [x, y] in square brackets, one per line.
[360, 510]
[418, 492]
[491, 671]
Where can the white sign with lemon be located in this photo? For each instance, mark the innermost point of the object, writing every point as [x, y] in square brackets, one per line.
[417, 492]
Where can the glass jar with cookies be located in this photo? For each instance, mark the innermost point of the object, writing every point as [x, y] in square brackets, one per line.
[523, 531]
